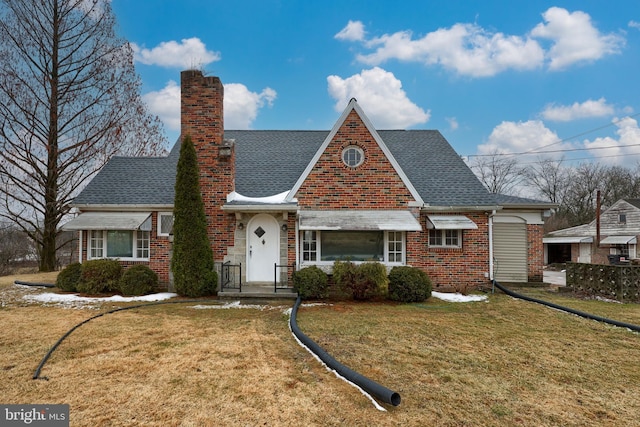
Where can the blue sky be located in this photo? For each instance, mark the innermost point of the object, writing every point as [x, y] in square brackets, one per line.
[492, 76]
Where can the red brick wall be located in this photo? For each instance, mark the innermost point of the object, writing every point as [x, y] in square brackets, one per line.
[372, 185]
[535, 254]
[453, 269]
[202, 118]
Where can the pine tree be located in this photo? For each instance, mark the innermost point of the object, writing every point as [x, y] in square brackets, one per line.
[192, 264]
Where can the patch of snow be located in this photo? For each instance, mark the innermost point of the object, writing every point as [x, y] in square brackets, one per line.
[76, 301]
[235, 304]
[457, 297]
[603, 299]
[275, 199]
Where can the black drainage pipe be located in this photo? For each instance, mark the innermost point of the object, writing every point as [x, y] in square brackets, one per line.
[36, 374]
[373, 388]
[634, 328]
[42, 285]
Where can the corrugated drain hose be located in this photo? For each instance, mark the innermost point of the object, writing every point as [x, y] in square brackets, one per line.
[567, 309]
[373, 388]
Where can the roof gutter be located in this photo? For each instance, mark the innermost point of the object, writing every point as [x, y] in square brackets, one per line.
[282, 207]
[462, 208]
[127, 207]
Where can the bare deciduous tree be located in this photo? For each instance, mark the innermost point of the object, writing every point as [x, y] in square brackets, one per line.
[69, 100]
[548, 178]
[500, 174]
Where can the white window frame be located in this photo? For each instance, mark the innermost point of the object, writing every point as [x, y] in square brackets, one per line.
[139, 236]
[385, 261]
[352, 153]
[160, 215]
[95, 244]
[444, 237]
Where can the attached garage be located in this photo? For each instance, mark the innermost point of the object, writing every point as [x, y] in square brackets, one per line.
[510, 250]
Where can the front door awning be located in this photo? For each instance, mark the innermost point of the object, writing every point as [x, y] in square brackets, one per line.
[110, 221]
[391, 220]
[450, 222]
[619, 240]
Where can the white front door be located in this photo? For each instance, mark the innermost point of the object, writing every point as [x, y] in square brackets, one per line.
[263, 248]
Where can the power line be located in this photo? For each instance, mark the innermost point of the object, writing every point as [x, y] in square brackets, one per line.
[535, 150]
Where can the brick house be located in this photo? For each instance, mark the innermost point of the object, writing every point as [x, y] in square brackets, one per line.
[300, 198]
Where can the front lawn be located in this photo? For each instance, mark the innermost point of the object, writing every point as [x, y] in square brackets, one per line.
[498, 362]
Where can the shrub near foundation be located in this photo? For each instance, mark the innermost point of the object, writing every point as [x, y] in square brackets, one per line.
[311, 283]
[365, 281]
[100, 276]
[69, 277]
[409, 284]
[138, 280]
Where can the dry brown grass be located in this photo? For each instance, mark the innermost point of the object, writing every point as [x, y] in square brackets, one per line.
[501, 362]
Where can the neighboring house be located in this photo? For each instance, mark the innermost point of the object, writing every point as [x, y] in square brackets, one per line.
[302, 198]
[618, 235]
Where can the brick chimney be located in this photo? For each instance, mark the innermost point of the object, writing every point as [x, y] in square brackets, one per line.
[202, 117]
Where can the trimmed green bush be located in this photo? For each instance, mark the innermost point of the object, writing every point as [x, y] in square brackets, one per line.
[409, 284]
[362, 282]
[192, 264]
[344, 273]
[138, 280]
[69, 277]
[99, 276]
[371, 281]
[311, 283]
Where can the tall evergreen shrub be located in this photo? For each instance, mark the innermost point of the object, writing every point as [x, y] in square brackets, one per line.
[192, 263]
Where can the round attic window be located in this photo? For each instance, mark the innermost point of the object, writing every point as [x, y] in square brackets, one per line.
[353, 156]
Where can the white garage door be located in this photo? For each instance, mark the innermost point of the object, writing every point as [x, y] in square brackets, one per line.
[510, 252]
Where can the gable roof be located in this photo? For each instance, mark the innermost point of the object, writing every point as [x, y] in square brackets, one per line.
[270, 162]
[353, 106]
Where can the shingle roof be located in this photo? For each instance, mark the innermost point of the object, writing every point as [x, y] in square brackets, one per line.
[269, 162]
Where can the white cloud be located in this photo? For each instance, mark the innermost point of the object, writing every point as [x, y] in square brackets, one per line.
[354, 31]
[512, 137]
[624, 150]
[165, 104]
[381, 96]
[634, 24]
[574, 38]
[586, 109]
[240, 105]
[188, 53]
[453, 123]
[465, 48]
[471, 50]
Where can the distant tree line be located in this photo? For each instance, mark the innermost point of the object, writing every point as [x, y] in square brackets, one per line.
[573, 187]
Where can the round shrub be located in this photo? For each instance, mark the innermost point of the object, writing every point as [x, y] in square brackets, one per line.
[370, 281]
[409, 284]
[311, 283]
[69, 277]
[100, 276]
[138, 280]
[344, 274]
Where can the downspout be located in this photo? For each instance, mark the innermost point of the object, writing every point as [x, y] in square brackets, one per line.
[297, 228]
[491, 244]
[80, 246]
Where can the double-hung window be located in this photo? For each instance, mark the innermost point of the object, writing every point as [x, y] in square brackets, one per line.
[445, 238]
